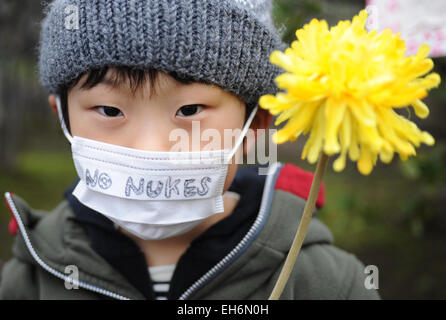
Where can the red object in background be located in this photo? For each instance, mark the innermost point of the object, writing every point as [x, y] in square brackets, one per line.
[297, 181]
[13, 225]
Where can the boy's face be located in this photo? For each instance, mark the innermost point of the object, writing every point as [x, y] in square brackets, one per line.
[142, 121]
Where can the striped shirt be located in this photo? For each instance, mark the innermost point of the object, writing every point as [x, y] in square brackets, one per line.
[161, 276]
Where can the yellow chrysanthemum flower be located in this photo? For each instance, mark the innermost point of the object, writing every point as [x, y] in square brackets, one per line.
[342, 84]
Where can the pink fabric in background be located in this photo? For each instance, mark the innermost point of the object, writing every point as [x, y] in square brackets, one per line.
[418, 21]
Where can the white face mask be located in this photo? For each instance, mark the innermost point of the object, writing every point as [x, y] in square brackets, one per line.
[151, 194]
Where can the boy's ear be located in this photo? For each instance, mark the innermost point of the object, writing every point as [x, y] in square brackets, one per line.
[262, 120]
[53, 103]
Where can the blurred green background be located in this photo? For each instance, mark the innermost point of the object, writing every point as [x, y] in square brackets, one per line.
[394, 218]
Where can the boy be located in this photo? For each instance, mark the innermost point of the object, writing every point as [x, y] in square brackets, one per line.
[122, 76]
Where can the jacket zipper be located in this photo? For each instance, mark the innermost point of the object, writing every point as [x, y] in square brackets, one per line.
[213, 272]
[231, 256]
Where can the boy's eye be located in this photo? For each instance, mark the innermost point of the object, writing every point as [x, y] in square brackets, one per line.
[190, 110]
[109, 111]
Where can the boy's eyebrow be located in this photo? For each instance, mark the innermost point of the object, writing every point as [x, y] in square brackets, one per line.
[110, 82]
[115, 83]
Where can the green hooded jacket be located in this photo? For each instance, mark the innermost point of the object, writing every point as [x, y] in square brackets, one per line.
[48, 245]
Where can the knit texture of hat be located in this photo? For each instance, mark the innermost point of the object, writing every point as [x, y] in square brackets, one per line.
[222, 42]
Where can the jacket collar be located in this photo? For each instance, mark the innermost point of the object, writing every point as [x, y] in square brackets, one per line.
[266, 253]
[204, 252]
[53, 241]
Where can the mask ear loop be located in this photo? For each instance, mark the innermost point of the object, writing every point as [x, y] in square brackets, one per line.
[62, 121]
[242, 134]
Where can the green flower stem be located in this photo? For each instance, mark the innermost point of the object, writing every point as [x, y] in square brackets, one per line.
[302, 229]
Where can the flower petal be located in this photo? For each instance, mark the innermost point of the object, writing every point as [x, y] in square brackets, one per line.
[341, 86]
[421, 110]
[334, 115]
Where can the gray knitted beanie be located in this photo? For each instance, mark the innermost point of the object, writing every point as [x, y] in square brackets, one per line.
[222, 42]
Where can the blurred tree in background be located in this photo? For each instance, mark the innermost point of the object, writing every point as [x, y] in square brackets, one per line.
[19, 88]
